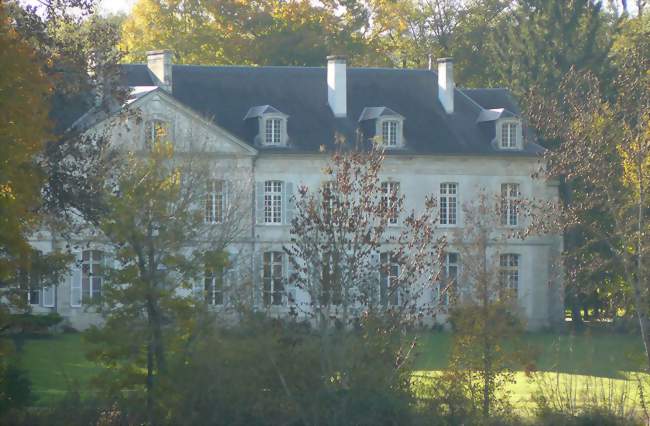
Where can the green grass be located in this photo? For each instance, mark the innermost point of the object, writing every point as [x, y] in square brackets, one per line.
[58, 363]
[594, 353]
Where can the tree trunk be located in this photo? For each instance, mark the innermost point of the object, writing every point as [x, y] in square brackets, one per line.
[150, 419]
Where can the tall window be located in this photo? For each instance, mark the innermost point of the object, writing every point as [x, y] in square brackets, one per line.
[388, 279]
[329, 200]
[215, 201]
[273, 133]
[509, 272]
[213, 285]
[273, 201]
[156, 131]
[91, 275]
[449, 278]
[273, 277]
[509, 135]
[34, 296]
[390, 193]
[389, 132]
[509, 204]
[331, 280]
[448, 203]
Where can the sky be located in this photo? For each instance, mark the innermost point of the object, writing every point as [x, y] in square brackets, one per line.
[116, 6]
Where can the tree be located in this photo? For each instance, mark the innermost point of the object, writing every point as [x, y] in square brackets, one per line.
[606, 154]
[223, 32]
[366, 280]
[484, 315]
[159, 246]
[540, 41]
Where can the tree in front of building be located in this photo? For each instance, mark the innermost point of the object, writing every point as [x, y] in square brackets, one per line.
[162, 236]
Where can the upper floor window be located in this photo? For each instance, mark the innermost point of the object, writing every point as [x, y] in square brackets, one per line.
[273, 131]
[509, 135]
[273, 201]
[509, 272]
[215, 201]
[448, 203]
[388, 280]
[92, 262]
[273, 274]
[509, 204]
[156, 131]
[389, 198]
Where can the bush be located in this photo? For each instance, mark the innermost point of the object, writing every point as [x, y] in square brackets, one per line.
[15, 390]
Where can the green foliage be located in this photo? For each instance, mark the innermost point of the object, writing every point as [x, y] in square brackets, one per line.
[15, 390]
[247, 32]
[29, 323]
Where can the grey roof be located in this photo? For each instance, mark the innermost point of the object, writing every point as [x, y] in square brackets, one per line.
[493, 115]
[372, 113]
[226, 94]
[260, 110]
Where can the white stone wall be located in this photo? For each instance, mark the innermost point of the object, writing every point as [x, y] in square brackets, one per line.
[540, 291]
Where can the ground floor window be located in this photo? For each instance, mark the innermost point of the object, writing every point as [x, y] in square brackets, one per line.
[388, 280]
[213, 285]
[509, 272]
[273, 277]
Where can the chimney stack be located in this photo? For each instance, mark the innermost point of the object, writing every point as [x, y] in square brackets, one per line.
[337, 85]
[446, 84]
[159, 63]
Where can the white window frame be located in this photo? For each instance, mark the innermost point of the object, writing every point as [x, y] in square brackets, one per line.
[91, 271]
[37, 291]
[390, 133]
[510, 196]
[389, 274]
[509, 134]
[509, 271]
[273, 208]
[215, 202]
[387, 189]
[448, 202]
[273, 278]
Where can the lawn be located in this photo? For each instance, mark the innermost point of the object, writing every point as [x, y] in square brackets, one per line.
[58, 363]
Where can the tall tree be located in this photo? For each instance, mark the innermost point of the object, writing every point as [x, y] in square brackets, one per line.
[159, 246]
[606, 155]
[541, 40]
[261, 32]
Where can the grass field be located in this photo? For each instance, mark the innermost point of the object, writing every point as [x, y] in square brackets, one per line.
[58, 363]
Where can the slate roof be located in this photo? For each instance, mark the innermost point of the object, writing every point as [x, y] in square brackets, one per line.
[225, 94]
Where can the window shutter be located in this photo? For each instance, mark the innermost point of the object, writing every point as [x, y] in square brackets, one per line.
[259, 196]
[288, 203]
[225, 212]
[198, 286]
[75, 281]
[48, 296]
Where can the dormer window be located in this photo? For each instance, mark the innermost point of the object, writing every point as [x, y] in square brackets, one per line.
[389, 132]
[272, 128]
[509, 134]
[155, 132]
[383, 125]
[273, 131]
